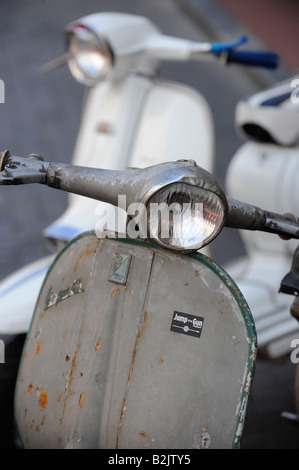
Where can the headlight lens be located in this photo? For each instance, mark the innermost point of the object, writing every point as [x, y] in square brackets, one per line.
[183, 217]
[89, 56]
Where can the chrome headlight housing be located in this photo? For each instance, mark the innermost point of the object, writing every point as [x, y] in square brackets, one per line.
[183, 217]
[89, 56]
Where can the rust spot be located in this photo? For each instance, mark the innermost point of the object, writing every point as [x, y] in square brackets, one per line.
[25, 413]
[142, 434]
[141, 328]
[97, 346]
[80, 402]
[30, 388]
[60, 397]
[37, 348]
[196, 272]
[43, 400]
[67, 358]
[70, 371]
[25, 355]
[161, 361]
[43, 421]
[143, 324]
[187, 283]
[113, 292]
[84, 253]
[37, 429]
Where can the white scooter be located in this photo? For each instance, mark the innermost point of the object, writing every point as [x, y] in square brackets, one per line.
[265, 171]
[130, 119]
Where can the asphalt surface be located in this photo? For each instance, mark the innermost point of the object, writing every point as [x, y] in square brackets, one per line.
[41, 114]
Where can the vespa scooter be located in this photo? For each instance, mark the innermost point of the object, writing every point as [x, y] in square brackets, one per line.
[138, 340]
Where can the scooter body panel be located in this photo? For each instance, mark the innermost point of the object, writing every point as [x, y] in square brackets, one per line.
[266, 175]
[132, 347]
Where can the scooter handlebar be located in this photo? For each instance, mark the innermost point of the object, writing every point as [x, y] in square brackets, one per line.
[269, 60]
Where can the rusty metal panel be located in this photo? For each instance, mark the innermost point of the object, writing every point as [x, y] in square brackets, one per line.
[193, 376]
[131, 347]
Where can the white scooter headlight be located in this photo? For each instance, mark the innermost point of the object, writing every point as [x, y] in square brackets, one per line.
[183, 217]
[89, 55]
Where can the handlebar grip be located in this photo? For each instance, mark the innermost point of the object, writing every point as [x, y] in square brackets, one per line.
[269, 60]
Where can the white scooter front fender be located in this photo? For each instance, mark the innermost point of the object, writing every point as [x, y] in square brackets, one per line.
[18, 295]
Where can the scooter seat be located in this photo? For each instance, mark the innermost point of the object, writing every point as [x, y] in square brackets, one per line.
[271, 116]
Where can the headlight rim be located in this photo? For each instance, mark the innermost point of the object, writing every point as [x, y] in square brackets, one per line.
[180, 250]
[74, 68]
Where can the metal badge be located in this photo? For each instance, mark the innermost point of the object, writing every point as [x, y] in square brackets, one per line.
[120, 268]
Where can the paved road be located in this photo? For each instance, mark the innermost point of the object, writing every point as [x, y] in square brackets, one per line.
[42, 113]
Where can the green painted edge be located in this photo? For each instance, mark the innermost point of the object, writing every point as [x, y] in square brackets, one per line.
[225, 277]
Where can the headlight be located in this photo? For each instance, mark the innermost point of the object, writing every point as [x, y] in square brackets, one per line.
[183, 217]
[89, 56]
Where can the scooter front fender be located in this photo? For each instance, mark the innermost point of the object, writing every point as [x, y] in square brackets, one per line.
[18, 295]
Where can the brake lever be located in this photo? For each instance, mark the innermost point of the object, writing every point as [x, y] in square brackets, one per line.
[22, 170]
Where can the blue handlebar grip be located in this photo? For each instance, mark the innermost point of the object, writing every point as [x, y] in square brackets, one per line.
[269, 60]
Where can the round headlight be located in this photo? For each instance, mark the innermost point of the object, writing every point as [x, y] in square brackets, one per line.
[89, 56]
[183, 217]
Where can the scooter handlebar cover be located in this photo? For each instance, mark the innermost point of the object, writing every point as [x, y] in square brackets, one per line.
[269, 60]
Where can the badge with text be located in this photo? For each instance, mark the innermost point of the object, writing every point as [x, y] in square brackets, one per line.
[187, 324]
